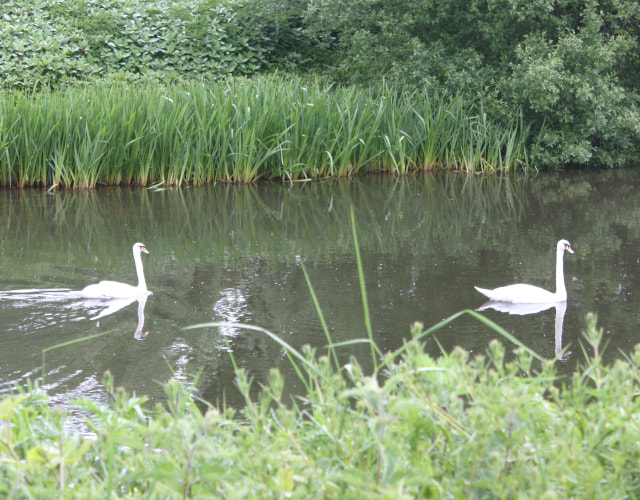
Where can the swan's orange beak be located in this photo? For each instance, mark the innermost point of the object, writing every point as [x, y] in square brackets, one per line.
[144, 249]
[566, 247]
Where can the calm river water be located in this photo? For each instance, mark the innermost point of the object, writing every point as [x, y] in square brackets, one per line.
[234, 254]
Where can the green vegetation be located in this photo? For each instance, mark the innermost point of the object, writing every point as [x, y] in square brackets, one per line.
[175, 92]
[452, 427]
[569, 71]
[51, 43]
[572, 67]
[240, 131]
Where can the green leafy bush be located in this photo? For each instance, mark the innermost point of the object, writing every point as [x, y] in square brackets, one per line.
[48, 43]
[573, 68]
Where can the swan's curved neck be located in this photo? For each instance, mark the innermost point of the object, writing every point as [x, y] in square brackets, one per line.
[142, 284]
[561, 291]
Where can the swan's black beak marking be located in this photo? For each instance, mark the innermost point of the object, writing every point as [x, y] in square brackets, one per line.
[568, 248]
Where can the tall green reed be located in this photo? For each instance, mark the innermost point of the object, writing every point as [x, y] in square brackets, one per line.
[242, 130]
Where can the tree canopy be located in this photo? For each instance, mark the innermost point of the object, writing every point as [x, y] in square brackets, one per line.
[572, 67]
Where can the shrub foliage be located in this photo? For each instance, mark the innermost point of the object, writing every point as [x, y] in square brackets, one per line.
[572, 67]
[48, 43]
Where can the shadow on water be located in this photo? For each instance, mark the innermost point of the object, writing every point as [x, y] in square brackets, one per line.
[233, 254]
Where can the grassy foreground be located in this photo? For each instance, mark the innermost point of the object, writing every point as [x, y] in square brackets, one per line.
[453, 427]
[242, 130]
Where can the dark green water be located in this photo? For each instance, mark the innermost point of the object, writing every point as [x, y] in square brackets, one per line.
[234, 254]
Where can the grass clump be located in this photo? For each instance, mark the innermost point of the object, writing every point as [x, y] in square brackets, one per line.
[452, 427]
[240, 131]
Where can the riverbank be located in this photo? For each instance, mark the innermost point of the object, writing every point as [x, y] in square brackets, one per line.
[242, 130]
[459, 426]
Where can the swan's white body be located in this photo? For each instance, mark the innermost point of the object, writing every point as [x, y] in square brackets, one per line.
[117, 290]
[529, 294]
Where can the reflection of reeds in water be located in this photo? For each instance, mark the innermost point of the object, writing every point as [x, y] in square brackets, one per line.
[240, 131]
[257, 216]
[230, 222]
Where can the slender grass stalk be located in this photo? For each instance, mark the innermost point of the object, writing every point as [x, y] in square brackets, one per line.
[376, 354]
[291, 353]
[434, 328]
[375, 351]
[325, 328]
[68, 343]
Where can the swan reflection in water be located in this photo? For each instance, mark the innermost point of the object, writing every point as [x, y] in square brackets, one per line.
[524, 309]
[110, 306]
[97, 308]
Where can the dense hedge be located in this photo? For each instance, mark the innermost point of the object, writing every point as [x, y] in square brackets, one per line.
[48, 43]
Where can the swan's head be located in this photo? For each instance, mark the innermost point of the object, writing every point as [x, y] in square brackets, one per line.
[564, 245]
[140, 247]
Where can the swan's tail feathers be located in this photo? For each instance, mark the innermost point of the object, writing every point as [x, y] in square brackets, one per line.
[483, 291]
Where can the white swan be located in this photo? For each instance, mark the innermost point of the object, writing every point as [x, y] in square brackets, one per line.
[116, 290]
[529, 294]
